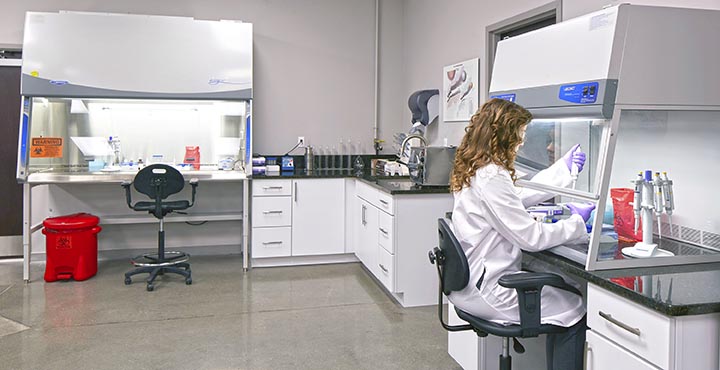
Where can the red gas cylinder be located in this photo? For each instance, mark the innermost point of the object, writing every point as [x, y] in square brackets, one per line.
[71, 246]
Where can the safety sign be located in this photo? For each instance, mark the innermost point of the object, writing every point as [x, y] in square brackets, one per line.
[46, 147]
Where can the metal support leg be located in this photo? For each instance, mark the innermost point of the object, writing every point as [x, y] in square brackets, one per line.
[27, 232]
[505, 359]
[245, 226]
[161, 241]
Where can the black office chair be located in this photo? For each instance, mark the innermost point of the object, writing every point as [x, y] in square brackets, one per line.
[158, 181]
[453, 272]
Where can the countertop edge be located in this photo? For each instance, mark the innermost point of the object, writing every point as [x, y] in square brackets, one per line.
[579, 271]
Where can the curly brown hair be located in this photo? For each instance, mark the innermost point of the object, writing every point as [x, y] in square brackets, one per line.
[493, 136]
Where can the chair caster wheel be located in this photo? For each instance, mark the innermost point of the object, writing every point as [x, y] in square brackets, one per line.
[188, 281]
[128, 281]
[150, 287]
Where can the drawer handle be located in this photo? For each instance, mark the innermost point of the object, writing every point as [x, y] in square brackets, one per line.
[383, 231]
[272, 187]
[385, 202]
[621, 324]
[364, 221]
[270, 243]
[385, 270]
[271, 212]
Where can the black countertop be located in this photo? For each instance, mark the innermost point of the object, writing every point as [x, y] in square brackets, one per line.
[395, 185]
[670, 290]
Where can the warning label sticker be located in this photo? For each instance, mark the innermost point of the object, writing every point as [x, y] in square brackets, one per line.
[46, 147]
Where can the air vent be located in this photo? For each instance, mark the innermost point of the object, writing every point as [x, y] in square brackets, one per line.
[690, 234]
[674, 233]
[711, 240]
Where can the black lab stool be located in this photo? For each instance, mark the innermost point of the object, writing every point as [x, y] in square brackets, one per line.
[159, 181]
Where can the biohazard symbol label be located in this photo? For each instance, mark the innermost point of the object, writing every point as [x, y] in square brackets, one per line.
[63, 242]
[46, 147]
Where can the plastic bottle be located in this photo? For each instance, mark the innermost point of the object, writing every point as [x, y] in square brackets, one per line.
[348, 157]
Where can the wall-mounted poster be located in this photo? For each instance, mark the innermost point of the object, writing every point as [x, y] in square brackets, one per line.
[460, 90]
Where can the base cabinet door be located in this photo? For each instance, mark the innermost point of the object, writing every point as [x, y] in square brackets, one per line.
[318, 220]
[602, 354]
[367, 229]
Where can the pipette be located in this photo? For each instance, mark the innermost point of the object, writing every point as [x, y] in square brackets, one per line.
[574, 170]
[669, 199]
[658, 201]
[636, 199]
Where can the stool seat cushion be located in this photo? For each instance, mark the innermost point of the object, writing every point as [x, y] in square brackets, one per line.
[176, 205]
[504, 330]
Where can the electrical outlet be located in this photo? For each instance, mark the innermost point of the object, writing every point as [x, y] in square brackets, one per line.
[301, 141]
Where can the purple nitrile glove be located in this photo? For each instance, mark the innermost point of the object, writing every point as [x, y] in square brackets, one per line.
[575, 155]
[582, 209]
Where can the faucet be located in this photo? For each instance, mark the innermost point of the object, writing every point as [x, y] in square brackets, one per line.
[401, 152]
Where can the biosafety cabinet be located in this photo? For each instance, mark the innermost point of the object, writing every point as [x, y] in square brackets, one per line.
[93, 83]
[638, 87]
[104, 94]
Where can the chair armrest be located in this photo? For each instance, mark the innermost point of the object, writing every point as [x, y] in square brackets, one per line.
[529, 288]
[126, 184]
[194, 183]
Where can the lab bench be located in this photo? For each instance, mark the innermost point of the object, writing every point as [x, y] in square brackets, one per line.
[648, 318]
[642, 318]
[221, 203]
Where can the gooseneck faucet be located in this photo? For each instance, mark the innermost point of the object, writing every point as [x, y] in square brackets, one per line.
[401, 152]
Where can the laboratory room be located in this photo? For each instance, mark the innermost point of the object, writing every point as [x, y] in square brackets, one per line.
[360, 184]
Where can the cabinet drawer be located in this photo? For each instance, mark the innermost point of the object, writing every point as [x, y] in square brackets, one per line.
[378, 198]
[385, 232]
[271, 242]
[386, 268]
[385, 202]
[601, 354]
[271, 211]
[640, 330]
[264, 188]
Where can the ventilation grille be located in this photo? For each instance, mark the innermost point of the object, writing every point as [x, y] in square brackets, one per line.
[711, 240]
[703, 239]
[690, 234]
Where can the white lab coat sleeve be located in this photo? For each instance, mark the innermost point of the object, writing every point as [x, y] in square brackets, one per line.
[504, 211]
[556, 175]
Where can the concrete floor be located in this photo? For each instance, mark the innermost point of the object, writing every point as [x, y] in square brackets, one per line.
[309, 317]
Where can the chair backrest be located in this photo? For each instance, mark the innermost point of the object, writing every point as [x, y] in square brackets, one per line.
[159, 181]
[455, 269]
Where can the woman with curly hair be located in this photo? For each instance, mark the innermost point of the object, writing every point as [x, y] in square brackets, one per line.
[491, 223]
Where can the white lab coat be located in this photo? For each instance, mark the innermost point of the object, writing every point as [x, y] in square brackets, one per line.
[492, 225]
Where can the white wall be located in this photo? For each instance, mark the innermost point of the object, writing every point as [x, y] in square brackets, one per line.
[440, 33]
[392, 102]
[313, 60]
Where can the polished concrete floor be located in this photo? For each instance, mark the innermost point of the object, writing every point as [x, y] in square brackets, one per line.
[308, 317]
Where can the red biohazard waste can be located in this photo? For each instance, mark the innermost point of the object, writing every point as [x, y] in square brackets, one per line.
[71, 246]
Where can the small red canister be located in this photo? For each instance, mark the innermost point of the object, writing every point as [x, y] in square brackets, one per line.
[71, 246]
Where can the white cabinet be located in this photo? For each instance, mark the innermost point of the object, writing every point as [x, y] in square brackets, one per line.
[366, 233]
[393, 235]
[602, 354]
[298, 217]
[271, 218]
[271, 242]
[375, 230]
[641, 330]
[318, 217]
[272, 211]
[626, 335]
